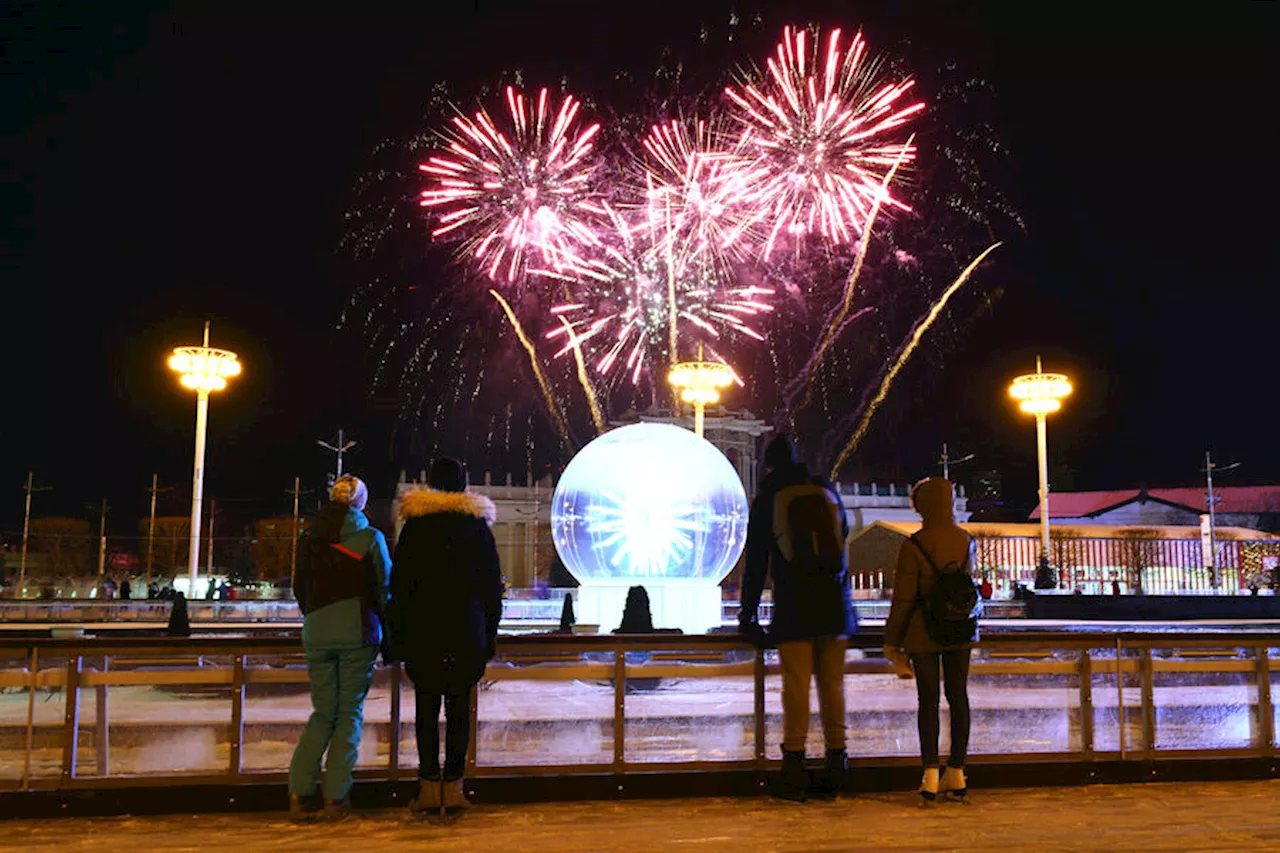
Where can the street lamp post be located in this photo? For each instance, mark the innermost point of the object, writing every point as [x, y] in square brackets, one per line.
[1209, 467]
[204, 370]
[699, 383]
[1040, 394]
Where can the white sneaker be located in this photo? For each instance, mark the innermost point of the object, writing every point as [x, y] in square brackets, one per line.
[953, 785]
[929, 785]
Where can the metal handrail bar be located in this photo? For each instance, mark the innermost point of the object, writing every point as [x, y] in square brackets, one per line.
[515, 644]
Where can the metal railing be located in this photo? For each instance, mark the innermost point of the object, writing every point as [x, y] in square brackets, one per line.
[85, 714]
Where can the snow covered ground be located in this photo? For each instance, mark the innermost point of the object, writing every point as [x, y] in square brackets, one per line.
[1154, 818]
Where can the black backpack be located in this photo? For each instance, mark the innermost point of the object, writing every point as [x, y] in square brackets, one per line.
[807, 525]
[809, 531]
[951, 608]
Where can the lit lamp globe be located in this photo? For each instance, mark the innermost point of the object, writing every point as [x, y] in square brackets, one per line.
[650, 505]
[699, 383]
[1041, 394]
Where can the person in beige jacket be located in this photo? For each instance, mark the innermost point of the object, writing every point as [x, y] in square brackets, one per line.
[940, 542]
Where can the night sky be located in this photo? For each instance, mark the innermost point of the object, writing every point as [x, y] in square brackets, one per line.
[164, 164]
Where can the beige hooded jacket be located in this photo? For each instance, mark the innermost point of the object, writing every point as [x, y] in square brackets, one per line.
[946, 542]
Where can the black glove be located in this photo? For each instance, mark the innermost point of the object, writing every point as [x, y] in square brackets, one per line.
[754, 634]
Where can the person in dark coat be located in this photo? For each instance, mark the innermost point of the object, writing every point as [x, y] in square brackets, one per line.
[905, 631]
[446, 603]
[637, 618]
[179, 622]
[810, 626]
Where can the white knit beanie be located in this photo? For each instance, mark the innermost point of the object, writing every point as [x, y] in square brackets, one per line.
[351, 491]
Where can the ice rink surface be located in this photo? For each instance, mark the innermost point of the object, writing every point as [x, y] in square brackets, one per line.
[1153, 818]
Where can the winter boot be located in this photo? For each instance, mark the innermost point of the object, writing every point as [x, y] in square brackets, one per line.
[791, 783]
[454, 799]
[336, 810]
[953, 785]
[830, 783]
[429, 797]
[929, 785]
[305, 807]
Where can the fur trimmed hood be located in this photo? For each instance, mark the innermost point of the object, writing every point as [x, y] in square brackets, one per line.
[427, 501]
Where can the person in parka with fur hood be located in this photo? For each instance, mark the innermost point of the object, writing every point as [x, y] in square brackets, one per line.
[446, 602]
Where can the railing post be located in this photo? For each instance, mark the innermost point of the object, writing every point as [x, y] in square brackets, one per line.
[1086, 704]
[1266, 720]
[71, 720]
[759, 674]
[1122, 718]
[101, 730]
[1148, 702]
[33, 675]
[393, 745]
[619, 708]
[237, 717]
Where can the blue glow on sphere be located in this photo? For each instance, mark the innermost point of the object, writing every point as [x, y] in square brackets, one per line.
[649, 501]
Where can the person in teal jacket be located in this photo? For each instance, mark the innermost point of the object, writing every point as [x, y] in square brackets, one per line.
[342, 587]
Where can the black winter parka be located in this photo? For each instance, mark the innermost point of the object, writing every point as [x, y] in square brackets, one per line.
[446, 589]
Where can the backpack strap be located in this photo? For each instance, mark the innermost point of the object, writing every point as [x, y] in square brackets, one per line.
[921, 549]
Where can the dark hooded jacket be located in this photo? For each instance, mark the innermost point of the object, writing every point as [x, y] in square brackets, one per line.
[343, 610]
[797, 615]
[446, 589]
[914, 578]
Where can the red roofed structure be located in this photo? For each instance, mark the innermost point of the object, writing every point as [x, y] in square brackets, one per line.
[1256, 507]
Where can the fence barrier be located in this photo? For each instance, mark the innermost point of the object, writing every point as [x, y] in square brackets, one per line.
[80, 714]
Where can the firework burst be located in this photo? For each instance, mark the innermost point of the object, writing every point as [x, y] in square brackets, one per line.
[634, 295]
[817, 140]
[691, 189]
[526, 187]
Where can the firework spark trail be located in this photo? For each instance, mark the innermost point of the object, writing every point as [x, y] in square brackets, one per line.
[583, 379]
[813, 140]
[912, 342]
[533, 192]
[838, 319]
[552, 408]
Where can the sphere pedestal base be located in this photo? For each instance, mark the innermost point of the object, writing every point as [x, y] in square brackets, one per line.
[693, 606]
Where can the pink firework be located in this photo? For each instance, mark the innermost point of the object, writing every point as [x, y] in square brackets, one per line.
[526, 187]
[622, 310]
[691, 188]
[819, 133]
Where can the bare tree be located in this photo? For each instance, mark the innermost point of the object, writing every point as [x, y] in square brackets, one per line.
[1139, 550]
[273, 546]
[987, 546]
[172, 543]
[1066, 548]
[67, 545]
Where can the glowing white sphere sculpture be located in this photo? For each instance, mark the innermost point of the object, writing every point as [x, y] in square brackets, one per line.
[654, 505]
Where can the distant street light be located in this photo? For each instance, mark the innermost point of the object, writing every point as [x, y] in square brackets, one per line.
[1041, 394]
[700, 383]
[204, 370]
[947, 460]
[340, 448]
